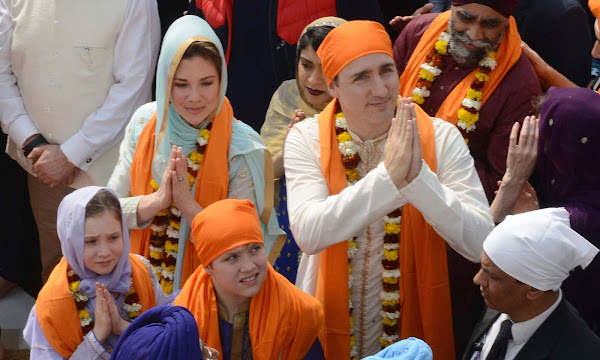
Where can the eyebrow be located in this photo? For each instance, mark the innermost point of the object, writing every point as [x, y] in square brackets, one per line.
[491, 21]
[305, 59]
[204, 78]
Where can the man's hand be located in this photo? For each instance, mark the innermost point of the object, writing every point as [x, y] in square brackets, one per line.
[299, 115]
[399, 22]
[399, 148]
[52, 166]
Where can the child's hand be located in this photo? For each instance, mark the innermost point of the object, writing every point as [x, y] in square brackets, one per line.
[118, 324]
[103, 323]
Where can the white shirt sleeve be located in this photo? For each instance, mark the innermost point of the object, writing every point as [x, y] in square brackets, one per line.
[452, 201]
[136, 52]
[13, 116]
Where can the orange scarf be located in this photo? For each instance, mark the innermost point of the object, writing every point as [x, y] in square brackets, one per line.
[284, 321]
[212, 181]
[508, 54]
[424, 285]
[57, 313]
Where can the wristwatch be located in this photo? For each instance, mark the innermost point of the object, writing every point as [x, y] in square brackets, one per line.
[37, 141]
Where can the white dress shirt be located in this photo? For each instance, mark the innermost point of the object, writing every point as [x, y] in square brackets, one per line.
[452, 201]
[133, 61]
[521, 332]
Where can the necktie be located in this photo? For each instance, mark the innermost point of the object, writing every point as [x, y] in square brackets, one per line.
[498, 350]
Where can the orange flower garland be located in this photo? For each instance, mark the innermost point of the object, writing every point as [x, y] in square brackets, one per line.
[131, 304]
[468, 114]
[164, 242]
[390, 295]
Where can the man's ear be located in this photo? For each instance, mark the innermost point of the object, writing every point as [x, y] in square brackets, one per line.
[332, 88]
[534, 294]
[208, 269]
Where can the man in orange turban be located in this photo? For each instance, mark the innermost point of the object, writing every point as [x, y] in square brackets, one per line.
[373, 202]
[466, 66]
[243, 308]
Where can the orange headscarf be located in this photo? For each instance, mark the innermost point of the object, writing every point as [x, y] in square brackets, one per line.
[341, 47]
[57, 313]
[507, 56]
[595, 7]
[284, 321]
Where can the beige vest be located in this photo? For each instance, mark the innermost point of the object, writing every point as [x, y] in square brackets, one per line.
[62, 55]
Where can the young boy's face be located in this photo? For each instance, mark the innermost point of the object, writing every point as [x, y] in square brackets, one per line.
[240, 272]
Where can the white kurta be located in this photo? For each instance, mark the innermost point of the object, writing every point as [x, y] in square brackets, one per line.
[452, 201]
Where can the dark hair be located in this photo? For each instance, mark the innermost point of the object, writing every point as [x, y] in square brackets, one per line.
[313, 36]
[103, 201]
[204, 49]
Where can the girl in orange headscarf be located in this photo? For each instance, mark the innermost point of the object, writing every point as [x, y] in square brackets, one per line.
[243, 308]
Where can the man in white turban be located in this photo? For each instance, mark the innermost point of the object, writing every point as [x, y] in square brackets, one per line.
[523, 264]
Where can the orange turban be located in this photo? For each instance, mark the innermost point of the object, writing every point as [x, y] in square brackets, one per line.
[595, 8]
[350, 41]
[225, 225]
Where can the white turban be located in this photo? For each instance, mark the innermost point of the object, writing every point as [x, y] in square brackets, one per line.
[539, 248]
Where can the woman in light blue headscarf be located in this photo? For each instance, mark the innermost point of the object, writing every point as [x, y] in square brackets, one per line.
[186, 151]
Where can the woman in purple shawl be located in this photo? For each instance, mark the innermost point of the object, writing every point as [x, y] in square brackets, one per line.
[569, 169]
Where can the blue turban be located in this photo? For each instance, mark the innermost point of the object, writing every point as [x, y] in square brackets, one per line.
[164, 332]
[409, 349]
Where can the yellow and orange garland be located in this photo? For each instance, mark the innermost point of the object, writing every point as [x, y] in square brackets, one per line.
[164, 241]
[131, 304]
[468, 114]
[390, 295]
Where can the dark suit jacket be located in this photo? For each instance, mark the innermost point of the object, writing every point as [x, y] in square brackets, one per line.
[563, 336]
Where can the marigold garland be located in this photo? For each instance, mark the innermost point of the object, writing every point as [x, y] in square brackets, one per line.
[468, 114]
[164, 241]
[131, 304]
[390, 295]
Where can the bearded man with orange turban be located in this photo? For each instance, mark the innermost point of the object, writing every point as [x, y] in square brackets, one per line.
[243, 308]
[376, 191]
[466, 66]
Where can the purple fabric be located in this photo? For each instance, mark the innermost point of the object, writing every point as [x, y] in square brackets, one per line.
[71, 231]
[510, 103]
[164, 332]
[569, 169]
[504, 7]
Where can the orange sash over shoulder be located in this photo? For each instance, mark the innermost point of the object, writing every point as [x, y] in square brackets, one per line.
[424, 284]
[284, 321]
[507, 56]
[212, 181]
[57, 313]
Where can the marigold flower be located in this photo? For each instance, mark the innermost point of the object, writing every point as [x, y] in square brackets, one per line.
[418, 99]
[155, 255]
[424, 74]
[391, 255]
[441, 47]
[352, 175]
[74, 286]
[84, 314]
[205, 133]
[343, 137]
[154, 184]
[389, 322]
[392, 228]
[474, 94]
[481, 76]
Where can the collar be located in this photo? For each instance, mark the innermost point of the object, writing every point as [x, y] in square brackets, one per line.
[522, 331]
[224, 315]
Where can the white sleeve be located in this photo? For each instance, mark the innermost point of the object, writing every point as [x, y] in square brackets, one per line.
[136, 52]
[319, 220]
[13, 116]
[452, 201]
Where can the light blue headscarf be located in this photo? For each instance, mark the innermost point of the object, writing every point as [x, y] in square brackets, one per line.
[176, 131]
[409, 349]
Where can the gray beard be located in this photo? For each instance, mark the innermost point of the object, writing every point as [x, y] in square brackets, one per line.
[465, 57]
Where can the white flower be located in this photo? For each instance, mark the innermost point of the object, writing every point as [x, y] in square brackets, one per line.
[341, 123]
[172, 232]
[422, 92]
[201, 141]
[352, 252]
[85, 321]
[158, 228]
[393, 246]
[175, 211]
[444, 36]
[172, 254]
[79, 297]
[463, 125]
[348, 183]
[353, 352]
[157, 249]
[390, 338]
[389, 296]
[488, 62]
[350, 304]
[471, 104]
[391, 220]
[389, 315]
[350, 279]
[191, 165]
[133, 307]
[391, 273]
[348, 148]
[70, 272]
[432, 69]
[169, 275]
